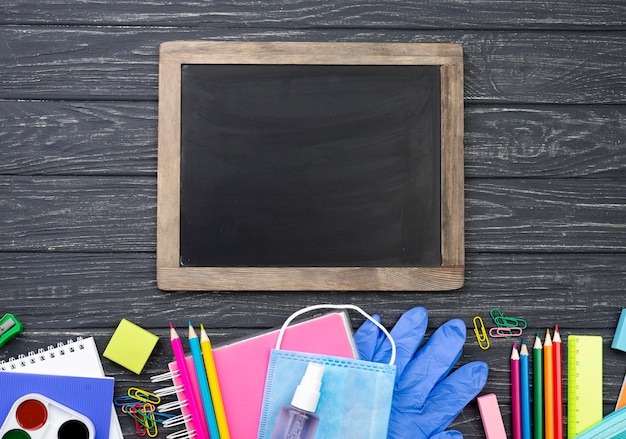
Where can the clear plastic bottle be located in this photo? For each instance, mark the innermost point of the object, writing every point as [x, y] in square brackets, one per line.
[298, 419]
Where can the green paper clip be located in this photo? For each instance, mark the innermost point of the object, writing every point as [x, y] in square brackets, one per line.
[506, 322]
[10, 326]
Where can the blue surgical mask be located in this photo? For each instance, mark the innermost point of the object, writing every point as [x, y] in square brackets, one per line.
[355, 395]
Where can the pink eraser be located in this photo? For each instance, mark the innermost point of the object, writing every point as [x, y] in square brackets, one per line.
[491, 416]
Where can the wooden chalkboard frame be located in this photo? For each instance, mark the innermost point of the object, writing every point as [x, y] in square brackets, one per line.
[172, 276]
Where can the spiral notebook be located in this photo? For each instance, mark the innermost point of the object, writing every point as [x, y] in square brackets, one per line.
[73, 358]
[242, 367]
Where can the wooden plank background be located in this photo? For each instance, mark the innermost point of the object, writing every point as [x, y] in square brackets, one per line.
[545, 121]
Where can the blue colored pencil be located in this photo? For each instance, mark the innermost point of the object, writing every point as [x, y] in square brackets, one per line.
[525, 390]
[207, 402]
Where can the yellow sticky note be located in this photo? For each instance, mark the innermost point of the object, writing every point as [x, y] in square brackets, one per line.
[130, 346]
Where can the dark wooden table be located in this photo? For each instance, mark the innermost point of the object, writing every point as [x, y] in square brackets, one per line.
[545, 118]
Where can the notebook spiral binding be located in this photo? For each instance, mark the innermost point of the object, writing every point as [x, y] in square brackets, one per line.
[42, 354]
[178, 404]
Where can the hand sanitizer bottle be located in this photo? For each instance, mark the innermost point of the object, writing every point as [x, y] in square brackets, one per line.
[298, 420]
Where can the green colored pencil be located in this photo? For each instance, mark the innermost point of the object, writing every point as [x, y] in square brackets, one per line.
[538, 387]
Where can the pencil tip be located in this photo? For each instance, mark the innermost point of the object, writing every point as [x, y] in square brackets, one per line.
[171, 326]
[190, 323]
[556, 328]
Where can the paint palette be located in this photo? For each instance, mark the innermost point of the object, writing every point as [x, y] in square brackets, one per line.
[34, 416]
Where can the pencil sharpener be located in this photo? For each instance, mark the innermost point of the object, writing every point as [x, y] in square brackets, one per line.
[10, 326]
[34, 416]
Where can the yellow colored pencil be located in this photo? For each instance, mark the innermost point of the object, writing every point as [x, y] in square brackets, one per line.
[214, 385]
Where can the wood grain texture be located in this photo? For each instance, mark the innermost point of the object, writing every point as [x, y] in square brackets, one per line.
[520, 67]
[546, 287]
[303, 14]
[118, 214]
[545, 89]
[119, 138]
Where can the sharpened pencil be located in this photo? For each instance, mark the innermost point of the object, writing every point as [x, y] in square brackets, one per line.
[201, 431]
[516, 405]
[548, 386]
[525, 391]
[203, 383]
[538, 387]
[558, 384]
[214, 385]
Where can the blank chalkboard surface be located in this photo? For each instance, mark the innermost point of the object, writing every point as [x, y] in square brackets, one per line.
[317, 166]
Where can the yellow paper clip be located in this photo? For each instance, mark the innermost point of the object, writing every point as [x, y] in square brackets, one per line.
[481, 333]
[505, 332]
[144, 396]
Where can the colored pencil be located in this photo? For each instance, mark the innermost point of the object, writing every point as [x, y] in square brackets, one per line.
[214, 385]
[203, 382]
[558, 384]
[538, 387]
[515, 393]
[194, 406]
[548, 386]
[525, 391]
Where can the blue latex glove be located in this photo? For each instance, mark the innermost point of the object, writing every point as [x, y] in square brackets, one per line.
[426, 397]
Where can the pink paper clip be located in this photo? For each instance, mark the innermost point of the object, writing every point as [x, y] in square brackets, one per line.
[505, 332]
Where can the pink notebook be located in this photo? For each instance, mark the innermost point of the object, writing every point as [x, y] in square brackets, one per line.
[242, 365]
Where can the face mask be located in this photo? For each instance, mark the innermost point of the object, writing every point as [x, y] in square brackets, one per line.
[354, 396]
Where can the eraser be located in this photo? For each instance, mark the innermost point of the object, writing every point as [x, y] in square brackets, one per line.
[491, 416]
[619, 341]
[130, 346]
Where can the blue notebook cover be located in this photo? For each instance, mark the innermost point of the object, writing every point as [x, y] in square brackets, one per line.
[91, 397]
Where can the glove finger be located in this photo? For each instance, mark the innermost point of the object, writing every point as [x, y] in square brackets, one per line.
[449, 397]
[407, 333]
[432, 363]
[368, 338]
[448, 434]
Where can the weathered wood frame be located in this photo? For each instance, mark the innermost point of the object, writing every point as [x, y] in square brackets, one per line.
[450, 275]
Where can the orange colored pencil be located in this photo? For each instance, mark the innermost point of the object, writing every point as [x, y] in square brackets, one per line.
[548, 386]
[558, 384]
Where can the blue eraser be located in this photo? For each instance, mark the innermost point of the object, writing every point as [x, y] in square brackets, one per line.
[619, 341]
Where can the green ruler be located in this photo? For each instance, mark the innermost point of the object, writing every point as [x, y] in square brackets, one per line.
[584, 389]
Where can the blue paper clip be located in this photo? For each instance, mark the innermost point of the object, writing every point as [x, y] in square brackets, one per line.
[481, 333]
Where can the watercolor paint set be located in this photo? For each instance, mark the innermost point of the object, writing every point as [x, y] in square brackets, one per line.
[34, 416]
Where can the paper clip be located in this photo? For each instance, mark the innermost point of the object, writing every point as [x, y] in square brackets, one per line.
[124, 400]
[506, 322]
[505, 332]
[140, 429]
[481, 333]
[143, 395]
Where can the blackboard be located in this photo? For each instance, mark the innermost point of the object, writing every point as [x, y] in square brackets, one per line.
[310, 166]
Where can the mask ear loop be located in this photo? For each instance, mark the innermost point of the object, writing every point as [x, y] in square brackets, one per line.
[330, 306]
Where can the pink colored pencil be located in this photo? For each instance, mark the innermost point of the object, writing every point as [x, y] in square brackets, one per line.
[558, 384]
[516, 398]
[196, 414]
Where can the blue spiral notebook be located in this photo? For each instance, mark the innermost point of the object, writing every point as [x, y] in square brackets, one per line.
[90, 397]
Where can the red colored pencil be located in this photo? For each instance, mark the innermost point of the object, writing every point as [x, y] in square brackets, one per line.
[516, 398]
[548, 386]
[558, 384]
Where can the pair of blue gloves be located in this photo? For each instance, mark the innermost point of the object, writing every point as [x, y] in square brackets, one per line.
[426, 396]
